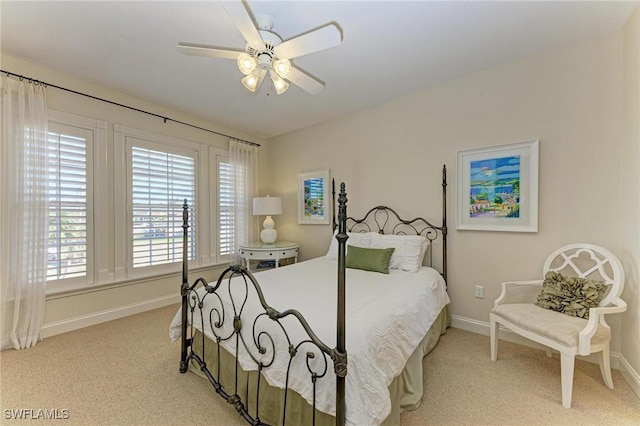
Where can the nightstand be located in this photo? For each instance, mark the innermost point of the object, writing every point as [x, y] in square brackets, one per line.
[275, 252]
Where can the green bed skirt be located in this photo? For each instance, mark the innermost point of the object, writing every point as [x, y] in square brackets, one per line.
[406, 389]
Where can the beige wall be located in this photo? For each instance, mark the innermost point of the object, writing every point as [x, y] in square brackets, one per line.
[66, 311]
[630, 194]
[570, 98]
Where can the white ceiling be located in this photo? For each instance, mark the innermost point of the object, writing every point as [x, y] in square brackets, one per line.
[389, 49]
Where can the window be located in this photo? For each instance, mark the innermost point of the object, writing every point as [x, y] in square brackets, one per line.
[160, 183]
[70, 213]
[134, 227]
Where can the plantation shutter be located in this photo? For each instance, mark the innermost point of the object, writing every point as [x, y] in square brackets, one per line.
[161, 181]
[225, 208]
[68, 218]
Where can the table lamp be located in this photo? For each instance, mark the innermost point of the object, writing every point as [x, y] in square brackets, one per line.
[267, 206]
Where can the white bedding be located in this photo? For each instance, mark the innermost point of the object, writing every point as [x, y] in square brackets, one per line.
[387, 316]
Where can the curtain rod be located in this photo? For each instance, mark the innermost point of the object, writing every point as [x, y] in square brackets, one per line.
[165, 119]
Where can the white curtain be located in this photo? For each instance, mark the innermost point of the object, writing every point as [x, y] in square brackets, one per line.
[243, 158]
[25, 212]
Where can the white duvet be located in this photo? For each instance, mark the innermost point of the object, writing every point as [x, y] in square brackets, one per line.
[387, 316]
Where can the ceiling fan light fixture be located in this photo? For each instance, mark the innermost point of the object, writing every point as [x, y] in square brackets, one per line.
[246, 63]
[282, 67]
[279, 84]
[266, 52]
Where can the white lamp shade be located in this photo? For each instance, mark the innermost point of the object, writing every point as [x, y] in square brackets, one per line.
[267, 206]
[280, 85]
[282, 67]
[246, 63]
[250, 82]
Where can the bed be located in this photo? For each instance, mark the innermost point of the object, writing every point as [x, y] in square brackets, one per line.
[349, 353]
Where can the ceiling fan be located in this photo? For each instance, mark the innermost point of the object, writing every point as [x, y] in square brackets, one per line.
[266, 52]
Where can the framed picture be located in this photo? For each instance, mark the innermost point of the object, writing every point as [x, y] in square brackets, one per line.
[313, 198]
[498, 188]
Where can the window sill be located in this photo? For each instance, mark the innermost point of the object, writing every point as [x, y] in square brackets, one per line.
[53, 293]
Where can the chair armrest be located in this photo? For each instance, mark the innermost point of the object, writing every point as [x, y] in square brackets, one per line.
[596, 317]
[519, 292]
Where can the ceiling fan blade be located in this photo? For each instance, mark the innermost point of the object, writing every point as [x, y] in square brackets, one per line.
[208, 51]
[241, 18]
[305, 81]
[314, 41]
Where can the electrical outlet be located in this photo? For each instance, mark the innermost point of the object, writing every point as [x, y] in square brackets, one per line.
[480, 292]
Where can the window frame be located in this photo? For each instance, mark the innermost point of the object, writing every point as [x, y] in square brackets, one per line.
[124, 138]
[97, 130]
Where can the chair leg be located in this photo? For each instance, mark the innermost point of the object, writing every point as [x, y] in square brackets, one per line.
[605, 367]
[566, 370]
[494, 339]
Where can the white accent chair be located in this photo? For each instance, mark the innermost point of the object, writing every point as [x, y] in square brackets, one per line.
[571, 336]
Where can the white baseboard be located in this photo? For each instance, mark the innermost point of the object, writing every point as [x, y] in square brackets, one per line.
[617, 360]
[76, 323]
[631, 376]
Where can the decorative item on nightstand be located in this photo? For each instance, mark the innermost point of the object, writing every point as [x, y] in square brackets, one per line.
[267, 206]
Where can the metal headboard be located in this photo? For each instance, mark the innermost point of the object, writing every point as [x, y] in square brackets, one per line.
[385, 220]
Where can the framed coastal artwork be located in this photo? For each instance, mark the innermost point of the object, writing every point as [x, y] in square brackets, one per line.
[313, 198]
[497, 188]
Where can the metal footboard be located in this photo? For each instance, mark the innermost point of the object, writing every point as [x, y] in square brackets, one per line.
[237, 284]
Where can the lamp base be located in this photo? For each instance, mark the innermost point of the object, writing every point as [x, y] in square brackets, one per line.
[268, 235]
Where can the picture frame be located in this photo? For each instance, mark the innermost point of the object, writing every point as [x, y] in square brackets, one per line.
[314, 205]
[497, 188]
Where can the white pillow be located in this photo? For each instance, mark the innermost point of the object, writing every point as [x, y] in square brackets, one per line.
[425, 246]
[358, 239]
[409, 250]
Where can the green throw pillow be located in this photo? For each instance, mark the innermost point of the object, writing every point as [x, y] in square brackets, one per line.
[573, 296]
[369, 259]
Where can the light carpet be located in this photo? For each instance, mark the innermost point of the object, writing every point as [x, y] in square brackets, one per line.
[126, 372]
